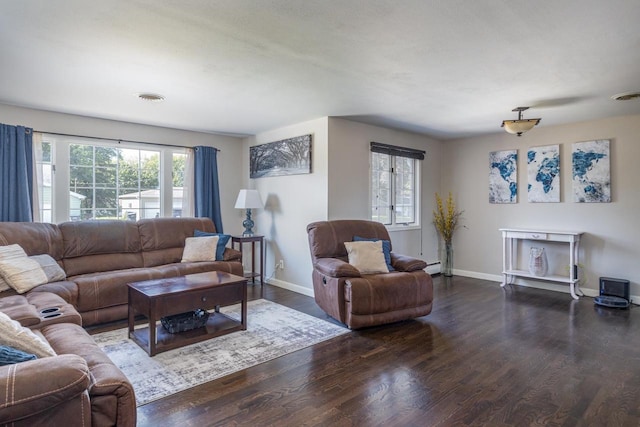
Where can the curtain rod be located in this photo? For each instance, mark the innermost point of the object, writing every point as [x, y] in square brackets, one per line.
[118, 140]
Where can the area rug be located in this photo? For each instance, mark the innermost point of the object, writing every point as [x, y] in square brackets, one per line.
[272, 331]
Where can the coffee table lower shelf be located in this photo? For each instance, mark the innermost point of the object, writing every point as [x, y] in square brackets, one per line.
[218, 324]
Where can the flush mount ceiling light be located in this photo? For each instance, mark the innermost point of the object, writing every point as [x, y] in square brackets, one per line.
[519, 126]
[151, 97]
[627, 96]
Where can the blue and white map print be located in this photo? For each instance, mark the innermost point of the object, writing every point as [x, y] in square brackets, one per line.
[503, 176]
[591, 172]
[543, 171]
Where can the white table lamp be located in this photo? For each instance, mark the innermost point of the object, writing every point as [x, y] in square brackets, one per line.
[248, 199]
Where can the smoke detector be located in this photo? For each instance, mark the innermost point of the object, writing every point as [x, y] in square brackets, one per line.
[626, 96]
[151, 97]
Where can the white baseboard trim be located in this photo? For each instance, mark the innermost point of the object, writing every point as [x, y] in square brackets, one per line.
[588, 292]
[433, 268]
[476, 275]
[292, 287]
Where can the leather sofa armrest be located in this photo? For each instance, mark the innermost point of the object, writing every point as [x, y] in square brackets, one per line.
[33, 387]
[231, 255]
[335, 267]
[407, 263]
[113, 400]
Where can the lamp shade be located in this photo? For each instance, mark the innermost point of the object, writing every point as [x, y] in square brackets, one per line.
[248, 199]
[518, 127]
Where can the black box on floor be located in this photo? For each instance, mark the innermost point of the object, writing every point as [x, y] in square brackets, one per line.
[613, 293]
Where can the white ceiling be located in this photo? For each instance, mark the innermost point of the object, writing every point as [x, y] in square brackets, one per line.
[446, 68]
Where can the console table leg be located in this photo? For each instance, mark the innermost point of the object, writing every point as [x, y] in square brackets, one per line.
[572, 289]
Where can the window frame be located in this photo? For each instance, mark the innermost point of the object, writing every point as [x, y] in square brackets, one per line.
[60, 163]
[393, 156]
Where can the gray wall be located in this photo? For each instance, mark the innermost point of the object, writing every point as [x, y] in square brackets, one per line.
[611, 245]
[338, 187]
[291, 202]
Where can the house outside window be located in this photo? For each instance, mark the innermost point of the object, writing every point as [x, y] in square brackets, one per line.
[395, 196]
[102, 179]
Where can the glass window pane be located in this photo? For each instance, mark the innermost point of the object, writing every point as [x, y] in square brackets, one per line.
[80, 155]
[46, 152]
[80, 176]
[129, 169]
[109, 181]
[106, 198]
[149, 169]
[82, 197]
[404, 191]
[45, 188]
[85, 214]
[177, 169]
[178, 164]
[106, 156]
[106, 177]
[106, 214]
[150, 213]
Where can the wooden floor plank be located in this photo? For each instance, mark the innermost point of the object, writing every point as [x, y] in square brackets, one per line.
[485, 356]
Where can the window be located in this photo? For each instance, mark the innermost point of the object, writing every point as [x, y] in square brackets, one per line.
[394, 184]
[46, 189]
[109, 180]
[179, 162]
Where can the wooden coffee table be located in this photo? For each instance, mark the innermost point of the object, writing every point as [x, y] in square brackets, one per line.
[164, 297]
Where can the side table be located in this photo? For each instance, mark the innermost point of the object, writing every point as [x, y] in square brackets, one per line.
[240, 240]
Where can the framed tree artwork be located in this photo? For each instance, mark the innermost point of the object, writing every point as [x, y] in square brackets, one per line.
[285, 157]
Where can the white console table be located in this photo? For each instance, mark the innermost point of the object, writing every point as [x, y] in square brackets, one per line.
[510, 255]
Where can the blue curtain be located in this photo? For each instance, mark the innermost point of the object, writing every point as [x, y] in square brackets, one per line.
[206, 190]
[16, 173]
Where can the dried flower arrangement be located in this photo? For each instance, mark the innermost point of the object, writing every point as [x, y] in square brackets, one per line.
[446, 221]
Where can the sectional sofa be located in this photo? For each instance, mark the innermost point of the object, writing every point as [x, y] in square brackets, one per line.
[100, 257]
[79, 385]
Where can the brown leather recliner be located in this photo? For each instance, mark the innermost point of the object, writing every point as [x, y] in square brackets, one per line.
[359, 300]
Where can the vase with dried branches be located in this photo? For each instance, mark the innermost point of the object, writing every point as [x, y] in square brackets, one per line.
[446, 219]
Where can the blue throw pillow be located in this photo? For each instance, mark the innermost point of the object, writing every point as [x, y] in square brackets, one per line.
[223, 239]
[10, 355]
[386, 248]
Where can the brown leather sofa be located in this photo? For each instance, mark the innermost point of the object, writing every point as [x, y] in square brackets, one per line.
[359, 300]
[100, 257]
[78, 387]
[81, 386]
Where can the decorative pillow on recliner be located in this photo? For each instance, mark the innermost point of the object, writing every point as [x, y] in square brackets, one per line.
[200, 249]
[223, 239]
[17, 336]
[367, 257]
[386, 248]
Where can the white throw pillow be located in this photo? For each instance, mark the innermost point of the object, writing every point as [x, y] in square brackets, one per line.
[200, 249]
[367, 257]
[22, 274]
[50, 267]
[9, 253]
[17, 336]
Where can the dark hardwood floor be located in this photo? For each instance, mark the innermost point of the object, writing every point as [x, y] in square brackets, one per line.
[484, 356]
